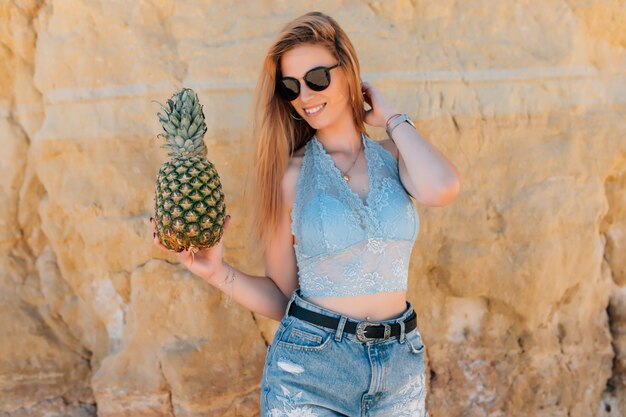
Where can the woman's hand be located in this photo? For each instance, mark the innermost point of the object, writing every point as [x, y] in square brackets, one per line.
[203, 263]
[380, 110]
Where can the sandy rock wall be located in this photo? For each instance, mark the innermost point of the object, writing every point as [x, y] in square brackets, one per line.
[519, 284]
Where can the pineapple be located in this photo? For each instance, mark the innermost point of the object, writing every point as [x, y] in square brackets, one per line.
[189, 202]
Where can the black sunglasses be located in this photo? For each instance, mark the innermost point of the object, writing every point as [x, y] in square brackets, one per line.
[317, 79]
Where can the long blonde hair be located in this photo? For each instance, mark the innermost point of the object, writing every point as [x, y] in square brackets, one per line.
[278, 135]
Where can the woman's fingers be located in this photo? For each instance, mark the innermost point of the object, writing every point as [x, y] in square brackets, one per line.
[158, 243]
[226, 224]
[155, 237]
[185, 254]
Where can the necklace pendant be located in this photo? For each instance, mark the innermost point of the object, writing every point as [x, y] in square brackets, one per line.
[345, 177]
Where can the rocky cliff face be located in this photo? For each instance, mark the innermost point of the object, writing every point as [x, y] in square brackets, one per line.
[519, 285]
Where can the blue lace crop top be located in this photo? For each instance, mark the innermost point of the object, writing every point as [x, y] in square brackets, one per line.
[346, 245]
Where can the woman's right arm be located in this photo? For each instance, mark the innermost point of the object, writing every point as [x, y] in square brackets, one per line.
[266, 295]
[256, 293]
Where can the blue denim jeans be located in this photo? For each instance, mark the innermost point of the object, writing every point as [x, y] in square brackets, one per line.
[314, 371]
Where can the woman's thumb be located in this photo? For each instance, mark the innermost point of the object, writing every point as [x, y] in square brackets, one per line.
[226, 223]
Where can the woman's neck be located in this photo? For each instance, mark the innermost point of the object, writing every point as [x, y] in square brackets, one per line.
[341, 137]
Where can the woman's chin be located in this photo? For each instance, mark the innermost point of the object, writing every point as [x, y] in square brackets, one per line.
[313, 123]
[318, 124]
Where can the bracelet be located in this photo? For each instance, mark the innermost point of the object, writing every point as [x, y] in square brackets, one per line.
[396, 122]
[230, 279]
[391, 117]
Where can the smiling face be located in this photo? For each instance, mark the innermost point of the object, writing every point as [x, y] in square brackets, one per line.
[320, 109]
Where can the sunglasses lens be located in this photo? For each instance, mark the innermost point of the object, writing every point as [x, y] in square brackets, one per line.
[289, 88]
[318, 79]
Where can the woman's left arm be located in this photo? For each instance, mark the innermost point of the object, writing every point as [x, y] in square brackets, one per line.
[425, 172]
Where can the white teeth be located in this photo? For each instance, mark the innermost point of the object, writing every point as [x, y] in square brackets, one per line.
[314, 109]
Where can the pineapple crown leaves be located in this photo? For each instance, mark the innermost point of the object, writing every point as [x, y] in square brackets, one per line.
[183, 123]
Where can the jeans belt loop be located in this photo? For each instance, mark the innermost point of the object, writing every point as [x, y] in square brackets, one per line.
[291, 300]
[340, 327]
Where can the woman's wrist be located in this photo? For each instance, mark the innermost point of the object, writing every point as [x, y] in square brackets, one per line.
[389, 114]
[219, 274]
[222, 277]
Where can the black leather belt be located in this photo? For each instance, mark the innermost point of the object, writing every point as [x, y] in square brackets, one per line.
[364, 330]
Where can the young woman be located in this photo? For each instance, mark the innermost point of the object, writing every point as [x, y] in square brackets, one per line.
[337, 226]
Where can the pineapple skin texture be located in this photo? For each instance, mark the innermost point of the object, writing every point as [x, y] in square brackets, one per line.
[189, 204]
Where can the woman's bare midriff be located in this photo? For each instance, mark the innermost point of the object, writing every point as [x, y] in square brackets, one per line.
[372, 307]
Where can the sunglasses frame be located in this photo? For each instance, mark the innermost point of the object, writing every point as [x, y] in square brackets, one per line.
[282, 90]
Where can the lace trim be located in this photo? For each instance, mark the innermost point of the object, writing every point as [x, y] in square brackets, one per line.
[376, 196]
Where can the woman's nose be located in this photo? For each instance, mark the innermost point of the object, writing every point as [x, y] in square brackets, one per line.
[306, 93]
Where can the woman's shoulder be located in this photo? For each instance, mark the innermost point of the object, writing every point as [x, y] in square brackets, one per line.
[295, 160]
[292, 173]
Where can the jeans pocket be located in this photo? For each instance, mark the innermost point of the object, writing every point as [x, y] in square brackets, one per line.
[302, 335]
[414, 341]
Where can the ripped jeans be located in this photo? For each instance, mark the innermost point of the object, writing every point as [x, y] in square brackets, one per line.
[314, 371]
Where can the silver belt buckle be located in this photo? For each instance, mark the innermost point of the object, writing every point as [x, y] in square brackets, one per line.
[360, 331]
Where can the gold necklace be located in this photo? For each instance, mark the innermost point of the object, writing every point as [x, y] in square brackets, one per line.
[344, 174]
